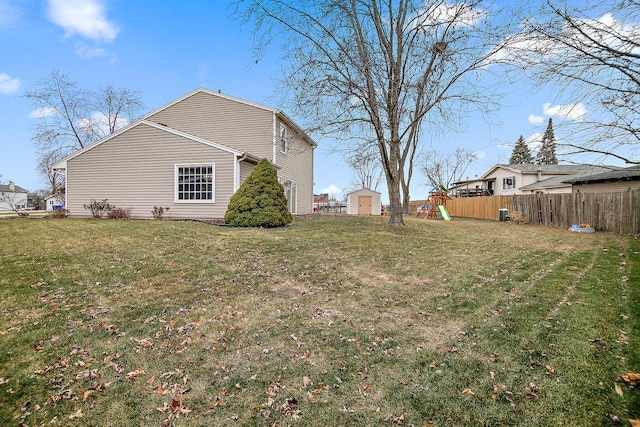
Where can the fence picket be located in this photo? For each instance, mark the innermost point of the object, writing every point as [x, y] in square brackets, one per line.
[617, 212]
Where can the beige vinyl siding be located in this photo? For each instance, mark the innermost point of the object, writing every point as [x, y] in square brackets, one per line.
[137, 170]
[297, 165]
[245, 170]
[235, 124]
[606, 187]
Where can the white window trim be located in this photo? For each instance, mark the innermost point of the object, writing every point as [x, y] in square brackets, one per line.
[505, 186]
[177, 166]
[282, 140]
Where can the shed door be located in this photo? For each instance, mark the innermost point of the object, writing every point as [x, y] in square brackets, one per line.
[364, 205]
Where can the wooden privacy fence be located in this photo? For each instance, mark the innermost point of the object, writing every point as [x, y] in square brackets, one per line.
[617, 212]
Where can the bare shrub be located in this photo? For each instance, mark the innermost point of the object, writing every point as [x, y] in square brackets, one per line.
[98, 208]
[518, 218]
[120, 213]
[158, 212]
[59, 213]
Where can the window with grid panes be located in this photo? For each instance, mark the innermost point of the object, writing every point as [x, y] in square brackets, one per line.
[194, 183]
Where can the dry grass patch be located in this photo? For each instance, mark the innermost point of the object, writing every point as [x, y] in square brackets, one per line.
[325, 322]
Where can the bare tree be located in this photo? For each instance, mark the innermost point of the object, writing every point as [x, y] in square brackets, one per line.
[446, 168]
[591, 54]
[378, 68]
[366, 165]
[54, 178]
[70, 118]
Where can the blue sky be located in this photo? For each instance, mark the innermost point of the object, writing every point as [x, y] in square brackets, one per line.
[166, 49]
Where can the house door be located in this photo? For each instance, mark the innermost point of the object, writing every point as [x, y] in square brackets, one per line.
[291, 193]
[364, 205]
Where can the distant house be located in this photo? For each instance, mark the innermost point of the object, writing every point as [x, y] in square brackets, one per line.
[191, 156]
[53, 202]
[506, 180]
[468, 188]
[13, 197]
[364, 202]
[610, 181]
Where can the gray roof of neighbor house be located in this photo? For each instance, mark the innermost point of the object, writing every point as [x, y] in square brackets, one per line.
[561, 180]
[6, 188]
[527, 169]
[628, 174]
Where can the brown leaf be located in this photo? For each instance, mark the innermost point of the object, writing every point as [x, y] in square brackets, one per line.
[77, 414]
[306, 381]
[631, 378]
[634, 423]
[618, 389]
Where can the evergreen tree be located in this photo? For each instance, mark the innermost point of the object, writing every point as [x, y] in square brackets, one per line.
[260, 200]
[547, 153]
[521, 153]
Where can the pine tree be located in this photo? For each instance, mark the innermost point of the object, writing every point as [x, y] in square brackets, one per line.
[547, 153]
[260, 200]
[521, 153]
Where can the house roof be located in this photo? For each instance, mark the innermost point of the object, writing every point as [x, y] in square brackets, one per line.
[364, 190]
[526, 169]
[275, 111]
[62, 164]
[5, 188]
[628, 174]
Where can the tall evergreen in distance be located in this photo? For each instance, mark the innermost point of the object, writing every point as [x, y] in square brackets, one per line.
[521, 154]
[547, 153]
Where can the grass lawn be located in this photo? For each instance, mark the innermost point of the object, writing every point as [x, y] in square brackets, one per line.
[330, 321]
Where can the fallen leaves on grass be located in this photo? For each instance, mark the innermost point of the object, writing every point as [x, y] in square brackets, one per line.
[174, 410]
[290, 407]
[631, 378]
[134, 375]
[395, 420]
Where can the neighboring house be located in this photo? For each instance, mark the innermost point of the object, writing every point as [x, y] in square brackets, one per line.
[12, 197]
[53, 202]
[605, 182]
[507, 180]
[364, 202]
[468, 188]
[191, 155]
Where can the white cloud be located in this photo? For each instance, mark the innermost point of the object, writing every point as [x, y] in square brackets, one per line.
[480, 154]
[86, 18]
[533, 119]
[98, 123]
[333, 190]
[572, 111]
[9, 84]
[9, 14]
[85, 51]
[41, 113]
[459, 14]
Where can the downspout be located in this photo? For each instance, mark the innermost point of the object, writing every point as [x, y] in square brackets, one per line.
[236, 181]
[275, 135]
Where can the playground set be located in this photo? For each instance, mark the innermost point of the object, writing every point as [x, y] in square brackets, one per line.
[436, 206]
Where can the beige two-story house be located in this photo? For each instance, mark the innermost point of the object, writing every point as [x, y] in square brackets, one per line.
[191, 155]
